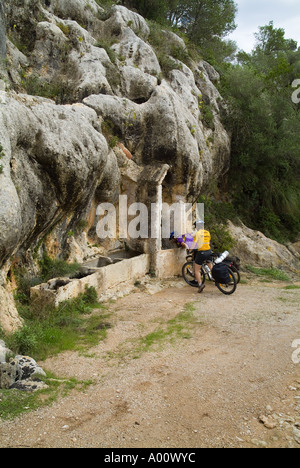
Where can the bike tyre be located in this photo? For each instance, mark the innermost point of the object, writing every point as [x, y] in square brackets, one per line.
[188, 275]
[236, 273]
[229, 288]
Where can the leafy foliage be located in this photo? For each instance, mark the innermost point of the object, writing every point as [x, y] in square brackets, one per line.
[205, 22]
[265, 127]
[216, 216]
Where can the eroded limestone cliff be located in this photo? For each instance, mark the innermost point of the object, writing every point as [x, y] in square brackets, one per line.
[55, 158]
[86, 106]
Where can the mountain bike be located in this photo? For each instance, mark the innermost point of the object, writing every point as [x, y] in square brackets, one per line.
[188, 273]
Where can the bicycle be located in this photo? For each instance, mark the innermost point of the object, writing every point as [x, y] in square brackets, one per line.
[188, 273]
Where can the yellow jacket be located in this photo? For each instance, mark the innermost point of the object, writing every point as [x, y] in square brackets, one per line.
[202, 240]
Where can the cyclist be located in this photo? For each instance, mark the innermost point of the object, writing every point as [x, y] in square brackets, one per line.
[202, 244]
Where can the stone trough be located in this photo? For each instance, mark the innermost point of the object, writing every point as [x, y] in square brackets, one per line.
[118, 270]
[102, 273]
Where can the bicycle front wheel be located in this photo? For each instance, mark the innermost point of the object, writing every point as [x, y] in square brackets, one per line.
[188, 273]
[228, 288]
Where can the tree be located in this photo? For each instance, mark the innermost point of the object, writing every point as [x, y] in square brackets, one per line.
[200, 19]
[207, 19]
[265, 127]
[151, 9]
[271, 41]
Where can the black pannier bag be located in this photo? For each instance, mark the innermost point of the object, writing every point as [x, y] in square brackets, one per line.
[235, 261]
[220, 273]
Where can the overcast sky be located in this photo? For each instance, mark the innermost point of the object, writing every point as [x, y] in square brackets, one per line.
[255, 13]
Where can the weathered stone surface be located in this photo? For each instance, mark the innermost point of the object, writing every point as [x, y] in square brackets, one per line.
[21, 372]
[2, 33]
[4, 351]
[79, 10]
[159, 121]
[8, 374]
[57, 166]
[137, 86]
[28, 368]
[121, 18]
[168, 129]
[10, 320]
[137, 53]
[254, 248]
[54, 160]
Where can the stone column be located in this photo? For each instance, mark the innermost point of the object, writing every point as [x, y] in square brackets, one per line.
[155, 202]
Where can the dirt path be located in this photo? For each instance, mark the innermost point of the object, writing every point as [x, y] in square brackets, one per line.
[220, 374]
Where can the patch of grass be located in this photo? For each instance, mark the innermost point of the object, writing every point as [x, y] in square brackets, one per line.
[59, 89]
[106, 44]
[169, 55]
[269, 273]
[177, 328]
[170, 332]
[207, 115]
[15, 402]
[48, 331]
[292, 286]
[54, 268]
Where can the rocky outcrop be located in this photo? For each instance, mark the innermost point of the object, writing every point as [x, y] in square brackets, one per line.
[255, 249]
[54, 160]
[9, 317]
[89, 109]
[105, 77]
[75, 50]
[20, 372]
[2, 33]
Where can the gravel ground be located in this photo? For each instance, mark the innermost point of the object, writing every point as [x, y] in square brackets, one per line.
[226, 378]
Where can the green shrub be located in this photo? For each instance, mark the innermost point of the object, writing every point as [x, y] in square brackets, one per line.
[54, 268]
[48, 330]
[207, 116]
[168, 54]
[216, 215]
[106, 45]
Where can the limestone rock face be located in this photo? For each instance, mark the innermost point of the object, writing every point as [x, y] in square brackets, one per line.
[54, 161]
[82, 89]
[90, 107]
[2, 32]
[77, 50]
[255, 249]
[9, 317]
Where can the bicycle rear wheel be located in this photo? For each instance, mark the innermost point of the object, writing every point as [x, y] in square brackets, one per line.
[236, 273]
[188, 273]
[228, 288]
